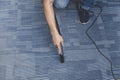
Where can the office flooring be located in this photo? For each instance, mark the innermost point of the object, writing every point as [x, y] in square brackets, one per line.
[27, 52]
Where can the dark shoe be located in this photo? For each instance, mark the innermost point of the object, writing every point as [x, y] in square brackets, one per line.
[83, 15]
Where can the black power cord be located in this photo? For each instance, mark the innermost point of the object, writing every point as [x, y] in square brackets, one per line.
[111, 65]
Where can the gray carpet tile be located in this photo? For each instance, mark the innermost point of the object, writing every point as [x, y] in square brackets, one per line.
[27, 52]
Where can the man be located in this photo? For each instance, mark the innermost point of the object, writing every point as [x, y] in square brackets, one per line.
[83, 8]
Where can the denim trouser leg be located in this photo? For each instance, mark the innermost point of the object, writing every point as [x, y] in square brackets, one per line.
[61, 3]
[86, 4]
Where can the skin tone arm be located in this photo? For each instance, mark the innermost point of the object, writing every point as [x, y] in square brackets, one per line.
[50, 17]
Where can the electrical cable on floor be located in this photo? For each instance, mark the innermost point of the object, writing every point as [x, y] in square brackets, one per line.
[111, 65]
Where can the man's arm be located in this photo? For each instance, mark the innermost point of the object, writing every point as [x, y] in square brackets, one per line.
[50, 17]
[49, 13]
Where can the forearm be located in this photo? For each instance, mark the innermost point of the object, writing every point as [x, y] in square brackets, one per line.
[50, 16]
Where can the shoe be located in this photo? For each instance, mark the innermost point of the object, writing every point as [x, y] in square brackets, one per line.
[83, 15]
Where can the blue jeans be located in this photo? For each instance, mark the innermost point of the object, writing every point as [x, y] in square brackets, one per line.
[86, 4]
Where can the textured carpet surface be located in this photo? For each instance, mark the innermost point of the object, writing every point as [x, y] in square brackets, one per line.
[27, 52]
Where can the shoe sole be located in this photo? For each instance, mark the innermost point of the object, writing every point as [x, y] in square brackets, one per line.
[86, 22]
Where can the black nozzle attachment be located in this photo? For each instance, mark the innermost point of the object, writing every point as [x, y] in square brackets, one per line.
[61, 55]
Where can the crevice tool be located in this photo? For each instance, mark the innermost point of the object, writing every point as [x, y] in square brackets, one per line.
[61, 55]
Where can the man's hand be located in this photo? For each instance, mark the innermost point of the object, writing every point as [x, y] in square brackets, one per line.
[58, 41]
